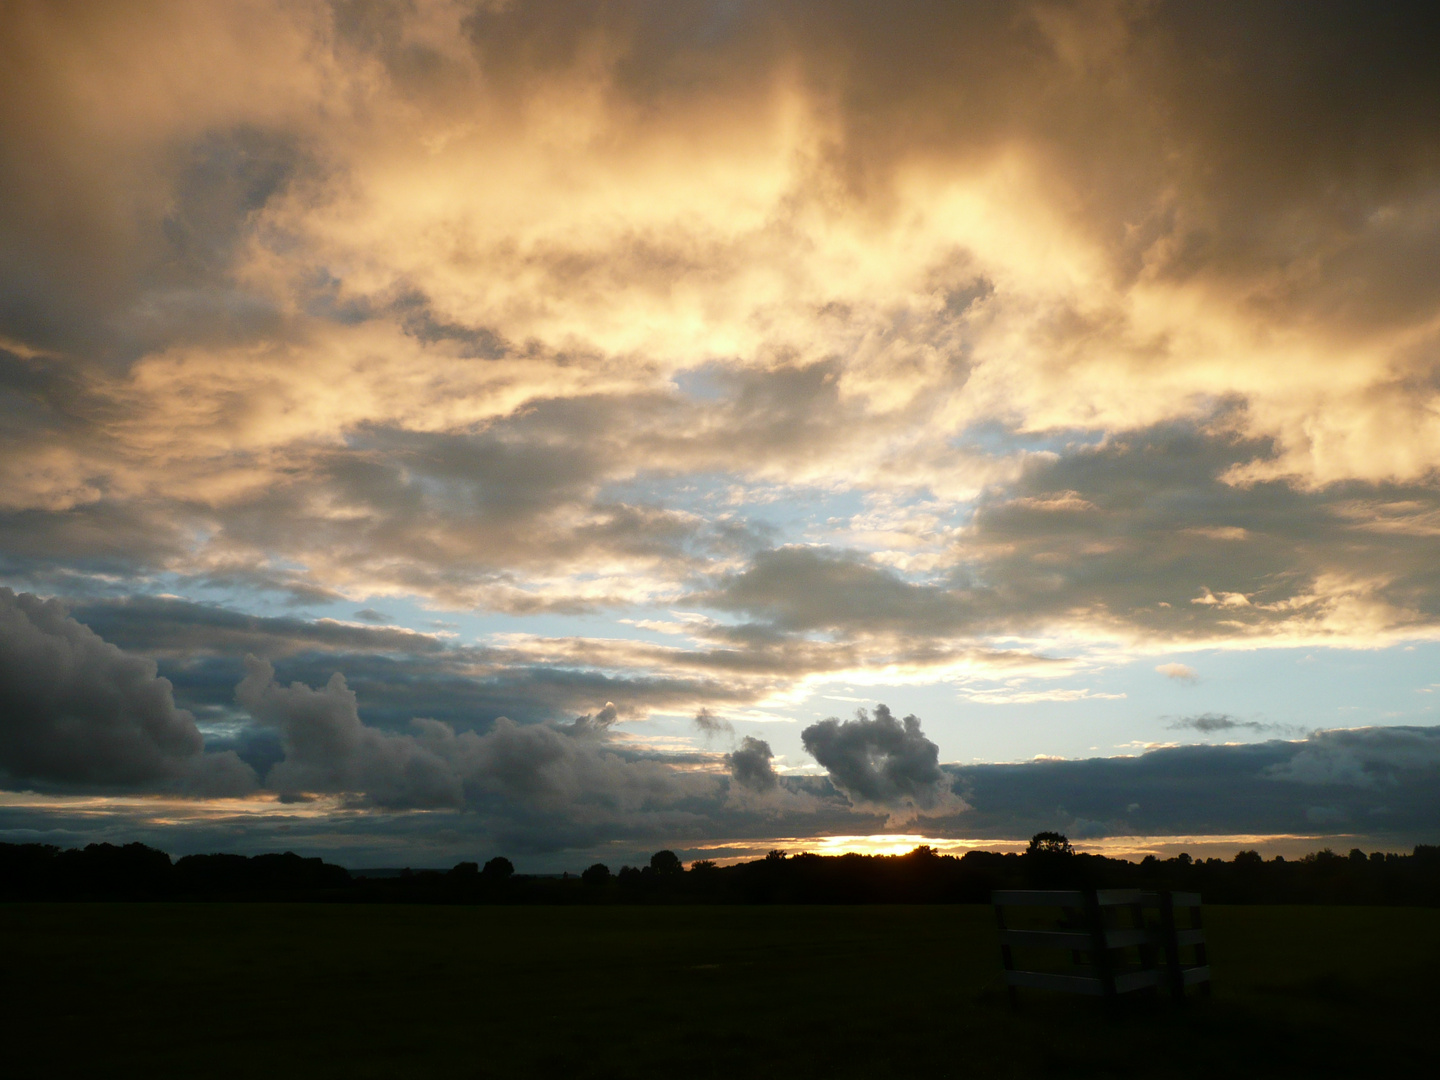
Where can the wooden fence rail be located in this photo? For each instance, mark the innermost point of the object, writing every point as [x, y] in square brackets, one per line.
[1106, 959]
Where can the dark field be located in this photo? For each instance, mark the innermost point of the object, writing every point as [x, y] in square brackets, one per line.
[337, 990]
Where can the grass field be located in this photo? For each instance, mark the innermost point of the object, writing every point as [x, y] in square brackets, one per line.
[109, 990]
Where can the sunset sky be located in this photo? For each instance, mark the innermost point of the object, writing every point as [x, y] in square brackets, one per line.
[437, 430]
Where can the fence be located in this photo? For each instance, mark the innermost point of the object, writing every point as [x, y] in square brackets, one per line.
[1107, 959]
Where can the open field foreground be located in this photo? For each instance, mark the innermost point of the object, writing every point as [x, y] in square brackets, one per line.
[357, 991]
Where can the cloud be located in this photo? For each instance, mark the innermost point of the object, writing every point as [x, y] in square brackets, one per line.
[1210, 723]
[327, 748]
[1178, 672]
[1252, 788]
[76, 710]
[750, 765]
[173, 627]
[512, 772]
[880, 760]
[877, 340]
[547, 789]
[1372, 758]
[597, 722]
[1206, 723]
[709, 725]
[804, 589]
[1315, 565]
[271, 352]
[464, 685]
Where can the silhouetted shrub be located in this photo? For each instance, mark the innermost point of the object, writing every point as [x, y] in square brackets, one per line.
[136, 872]
[499, 869]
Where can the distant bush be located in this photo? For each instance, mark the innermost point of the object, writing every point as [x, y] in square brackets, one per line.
[498, 869]
[137, 872]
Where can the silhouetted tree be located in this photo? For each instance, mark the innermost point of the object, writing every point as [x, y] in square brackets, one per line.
[1051, 863]
[666, 863]
[598, 874]
[1049, 843]
[134, 872]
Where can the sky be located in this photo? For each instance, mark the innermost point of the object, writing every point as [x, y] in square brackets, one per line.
[435, 430]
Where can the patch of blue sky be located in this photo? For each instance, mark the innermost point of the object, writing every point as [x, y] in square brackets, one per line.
[1108, 706]
[471, 627]
[769, 515]
[256, 595]
[704, 382]
[660, 623]
[788, 513]
[995, 438]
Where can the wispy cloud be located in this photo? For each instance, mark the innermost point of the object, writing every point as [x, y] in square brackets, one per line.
[1210, 723]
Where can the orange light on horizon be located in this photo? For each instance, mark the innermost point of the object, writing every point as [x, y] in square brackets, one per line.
[1221, 845]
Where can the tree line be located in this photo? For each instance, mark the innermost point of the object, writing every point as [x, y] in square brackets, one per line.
[923, 876]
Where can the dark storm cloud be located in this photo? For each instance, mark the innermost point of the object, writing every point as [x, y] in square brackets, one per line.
[880, 760]
[1381, 760]
[75, 709]
[328, 748]
[82, 711]
[750, 765]
[1369, 781]
[523, 782]
[399, 672]
[396, 672]
[511, 771]
[457, 688]
[525, 800]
